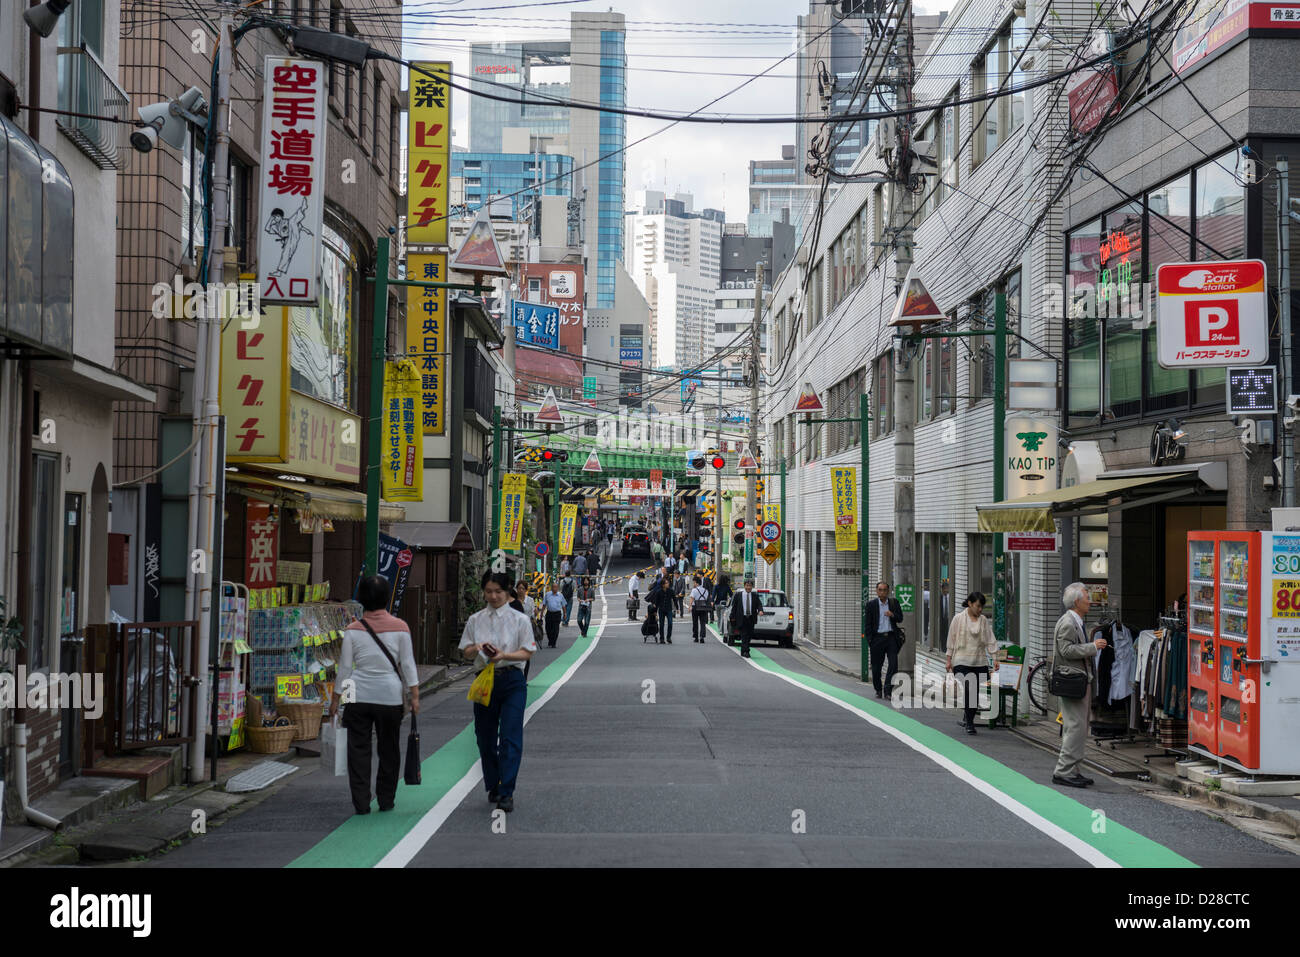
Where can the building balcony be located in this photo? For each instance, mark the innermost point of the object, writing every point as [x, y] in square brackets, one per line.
[86, 88]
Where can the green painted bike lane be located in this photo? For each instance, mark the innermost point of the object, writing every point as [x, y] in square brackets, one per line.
[365, 839]
[1113, 841]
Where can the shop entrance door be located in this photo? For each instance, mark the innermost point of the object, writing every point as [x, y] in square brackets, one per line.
[71, 638]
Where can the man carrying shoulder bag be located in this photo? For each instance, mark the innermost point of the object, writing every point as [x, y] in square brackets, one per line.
[1072, 672]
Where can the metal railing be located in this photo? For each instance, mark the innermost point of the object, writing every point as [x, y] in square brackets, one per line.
[86, 88]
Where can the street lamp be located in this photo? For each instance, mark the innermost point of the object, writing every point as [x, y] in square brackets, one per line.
[45, 18]
[167, 120]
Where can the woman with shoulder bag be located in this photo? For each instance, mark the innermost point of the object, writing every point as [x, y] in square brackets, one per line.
[376, 666]
[970, 646]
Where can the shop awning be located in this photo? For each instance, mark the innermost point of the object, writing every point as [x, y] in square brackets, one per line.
[1037, 513]
[336, 504]
[549, 369]
[439, 536]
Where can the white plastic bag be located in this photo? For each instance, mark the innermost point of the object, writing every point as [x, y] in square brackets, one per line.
[334, 747]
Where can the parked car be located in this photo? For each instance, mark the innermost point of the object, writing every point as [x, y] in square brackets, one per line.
[636, 540]
[775, 618]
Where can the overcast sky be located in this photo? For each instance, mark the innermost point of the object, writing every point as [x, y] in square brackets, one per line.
[710, 161]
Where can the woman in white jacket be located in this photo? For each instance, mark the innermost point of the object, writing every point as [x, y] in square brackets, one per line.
[970, 647]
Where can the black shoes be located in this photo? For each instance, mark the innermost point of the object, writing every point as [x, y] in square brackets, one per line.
[1079, 776]
[670, 641]
[1077, 781]
[493, 797]
[366, 811]
[744, 654]
[879, 694]
[970, 729]
[389, 808]
[506, 804]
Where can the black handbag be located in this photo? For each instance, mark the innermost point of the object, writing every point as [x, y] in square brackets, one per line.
[411, 773]
[1067, 684]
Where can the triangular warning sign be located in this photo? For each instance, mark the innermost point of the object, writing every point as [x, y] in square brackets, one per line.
[808, 401]
[593, 463]
[550, 410]
[747, 461]
[480, 252]
[915, 305]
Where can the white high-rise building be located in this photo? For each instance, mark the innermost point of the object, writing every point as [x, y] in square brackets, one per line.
[674, 256]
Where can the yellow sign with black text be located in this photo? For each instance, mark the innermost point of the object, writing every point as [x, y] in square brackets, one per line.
[513, 488]
[402, 469]
[428, 154]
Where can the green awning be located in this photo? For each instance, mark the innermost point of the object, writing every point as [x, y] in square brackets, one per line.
[1033, 513]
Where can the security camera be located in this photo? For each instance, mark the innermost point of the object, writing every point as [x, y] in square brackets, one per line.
[146, 138]
[44, 18]
[166, 121]
[1293, 403]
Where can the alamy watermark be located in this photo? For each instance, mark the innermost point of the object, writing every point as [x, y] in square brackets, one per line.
[39, 690]
[215, 300]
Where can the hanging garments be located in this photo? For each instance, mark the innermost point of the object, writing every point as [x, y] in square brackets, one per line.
[1123, 669]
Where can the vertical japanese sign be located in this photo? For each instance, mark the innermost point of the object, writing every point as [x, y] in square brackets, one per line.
[428, 155]
[511, 529]
[844, 488]
[395, 559]
[426, 338]
[568, 522]
[254, 386]
[262, 546]
[536, 325]
[292, 184]
[403, 465]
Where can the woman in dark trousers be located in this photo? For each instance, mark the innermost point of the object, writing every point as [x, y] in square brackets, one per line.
[721, 595]
[586, 595]
[662, 599]
[503, 636]
[376, 666]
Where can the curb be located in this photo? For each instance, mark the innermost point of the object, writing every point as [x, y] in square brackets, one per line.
[812, 652]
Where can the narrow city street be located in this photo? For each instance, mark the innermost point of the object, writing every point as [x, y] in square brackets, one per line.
[641, 754]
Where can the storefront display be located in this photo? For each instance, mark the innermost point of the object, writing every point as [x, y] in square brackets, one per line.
[299, 642]
[232, 661]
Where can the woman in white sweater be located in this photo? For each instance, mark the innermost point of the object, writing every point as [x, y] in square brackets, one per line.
[376, 667]
[971, 646]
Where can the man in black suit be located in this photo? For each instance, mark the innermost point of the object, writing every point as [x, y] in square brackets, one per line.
[744, 615]
[885, 635]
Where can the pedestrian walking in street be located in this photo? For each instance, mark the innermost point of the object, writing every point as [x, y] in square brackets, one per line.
[529, 608]
[722, 596]
[567, 587]
[378, 661]
[744, 616]
[503, 636]
[679, 595]
[670, 563]
[634, 583]
[565, 566]
[1073, 665]
[684, 566]
[553, 608]
[701, 609]
[580, 565]
[885, 628]
[586, 595]
[661, 599]
[970, 646]
[656, 551]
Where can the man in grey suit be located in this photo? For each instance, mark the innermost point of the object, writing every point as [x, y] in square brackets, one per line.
[1074, 652]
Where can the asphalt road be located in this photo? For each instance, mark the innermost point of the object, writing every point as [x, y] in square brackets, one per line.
[686, 755]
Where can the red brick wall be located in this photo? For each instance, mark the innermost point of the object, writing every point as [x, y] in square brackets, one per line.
[43, 728]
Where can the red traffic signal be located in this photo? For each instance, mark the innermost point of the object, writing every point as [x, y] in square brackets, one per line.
[738, 524]
[718, 462]
[706, 522]
[547, 455]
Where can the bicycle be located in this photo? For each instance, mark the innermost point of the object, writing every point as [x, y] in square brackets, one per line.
[1036, 683]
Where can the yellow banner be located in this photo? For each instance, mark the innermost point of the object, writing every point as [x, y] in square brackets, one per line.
[511, 530]
[772, 512]
[426, 338]
[403, 449]
[255, 385]
[428, 154]
[844, 488]
[568, 522]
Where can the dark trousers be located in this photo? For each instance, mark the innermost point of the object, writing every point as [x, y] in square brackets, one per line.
[666, 624]
[499, 731]
[568, 609]
[584, 618]
[884, 647]
[971, 678]
[699, 623]
[553, 626]
[678, 602]
[631, 612]
[746, 636]
[360, 718]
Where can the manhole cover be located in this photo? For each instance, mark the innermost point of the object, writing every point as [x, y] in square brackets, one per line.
[259, 776]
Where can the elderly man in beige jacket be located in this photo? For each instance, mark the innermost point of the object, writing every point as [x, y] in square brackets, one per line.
[1074, 652]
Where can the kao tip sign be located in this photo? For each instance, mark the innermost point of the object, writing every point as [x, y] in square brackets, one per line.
[1212, 314]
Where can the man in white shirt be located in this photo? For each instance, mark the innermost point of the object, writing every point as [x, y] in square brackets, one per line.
[634, 594]
[503, 636]
[701, 608]
[744, 615]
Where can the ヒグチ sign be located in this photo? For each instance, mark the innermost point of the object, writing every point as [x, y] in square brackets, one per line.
[1212, 314]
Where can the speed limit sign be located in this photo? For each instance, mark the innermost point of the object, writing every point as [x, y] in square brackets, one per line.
[770, 531]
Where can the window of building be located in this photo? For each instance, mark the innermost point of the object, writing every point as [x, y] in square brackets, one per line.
[997, 118]
[394, 153]
[363, 80]
[935, 554]
[376, 115]
[882, 392]
[864, 243]
[193, 209]
[980, 567]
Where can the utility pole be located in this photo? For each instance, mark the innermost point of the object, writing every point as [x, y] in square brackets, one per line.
[1284, 215]
[904, 571]
[717, 493]
[756, 366]
[207, 460]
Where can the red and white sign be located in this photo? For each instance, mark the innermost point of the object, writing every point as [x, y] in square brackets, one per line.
[292, 181]
[563, 287]
[1092, 98]
[262, 546]
[1212, 25]
[1032, 542]
[1212, 314]
[404, 558]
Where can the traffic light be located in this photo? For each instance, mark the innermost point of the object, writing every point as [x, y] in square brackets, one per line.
[718, 462]
[738, 538]
[738, 524]
[705, 523]
[550, 455]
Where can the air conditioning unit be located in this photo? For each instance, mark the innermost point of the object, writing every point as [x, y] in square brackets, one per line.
[886, 136]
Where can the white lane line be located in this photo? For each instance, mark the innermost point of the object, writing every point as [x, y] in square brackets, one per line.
[1063, 837]
[415, 839]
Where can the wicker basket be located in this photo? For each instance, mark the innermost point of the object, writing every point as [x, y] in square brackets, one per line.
[306, 716]
[271, 740]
